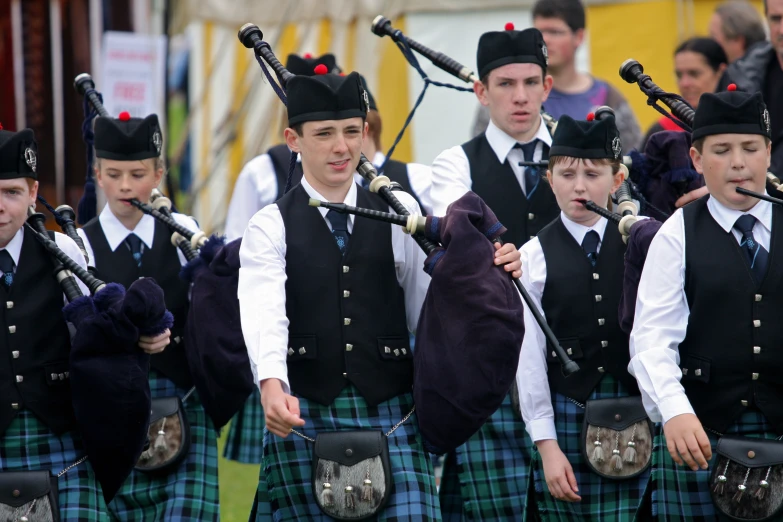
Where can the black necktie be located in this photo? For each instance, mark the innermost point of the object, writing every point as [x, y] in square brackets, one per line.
[756, 255]
[531, 173]
[7, 268]
[136, 247]
[339, 223]
[590, 246]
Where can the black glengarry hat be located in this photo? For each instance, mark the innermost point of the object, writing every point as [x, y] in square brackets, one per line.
[499, 48]
[128, 139]
[305, 65]
[591, 139]
[326, 97]
[18, 154]
[731, 112]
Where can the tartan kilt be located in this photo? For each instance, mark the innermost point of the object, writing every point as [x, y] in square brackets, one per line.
[682, 494]
[288, 462]
[189, 493]
[492, 471]
[244, 442]
[29, 445]
[602, 499]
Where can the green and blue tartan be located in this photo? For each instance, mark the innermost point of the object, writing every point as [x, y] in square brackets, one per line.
[245, 440]
[682, 494]
[287, 464]
[189, 493]
[29, 445]
[602, 499]
[492, 470]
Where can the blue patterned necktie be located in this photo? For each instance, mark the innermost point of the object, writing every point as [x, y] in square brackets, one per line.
[532, 178]
[590, 246]
[136, 247]
[339, 223]
[756, 255]
[7, 268]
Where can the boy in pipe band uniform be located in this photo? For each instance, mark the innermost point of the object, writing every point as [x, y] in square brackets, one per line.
[38, 429]
[573, 270]
[124, 244]
[326, 303]
[706, 337]
[488, 477]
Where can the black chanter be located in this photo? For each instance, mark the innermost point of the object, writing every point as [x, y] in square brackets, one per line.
[382, 26]
[65, 267]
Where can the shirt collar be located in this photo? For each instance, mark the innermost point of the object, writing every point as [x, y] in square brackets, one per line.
[14, 247]
[726, 217]
[502, 143]
[116, 232]
[350, 198]
[378, 159]
[579, 231]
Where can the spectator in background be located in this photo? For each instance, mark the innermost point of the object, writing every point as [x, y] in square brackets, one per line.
[761, 70]
[699, 64]
[562, 22]
[737, 26]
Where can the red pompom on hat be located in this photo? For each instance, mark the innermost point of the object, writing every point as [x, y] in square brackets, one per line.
[590, 116]
[125, 116]
[732, 87]
[1, 126]
[307, 56]
[320, 69]
[509, 26]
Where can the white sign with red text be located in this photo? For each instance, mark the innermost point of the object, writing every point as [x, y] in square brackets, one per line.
[133, 73]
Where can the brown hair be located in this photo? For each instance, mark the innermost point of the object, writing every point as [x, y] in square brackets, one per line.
[375, 127]
[559, 160]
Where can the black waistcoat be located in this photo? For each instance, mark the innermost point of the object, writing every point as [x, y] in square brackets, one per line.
[162, 264]
[497, 185]
[398, 172]
[346, 313]
[35, 343]
[731, 357]
[281, 161]
[580, 302]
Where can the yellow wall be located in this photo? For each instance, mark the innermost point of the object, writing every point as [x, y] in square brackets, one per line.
[647, 32]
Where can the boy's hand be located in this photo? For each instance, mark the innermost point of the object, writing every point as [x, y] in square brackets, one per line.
[509, 256]
[687, 441]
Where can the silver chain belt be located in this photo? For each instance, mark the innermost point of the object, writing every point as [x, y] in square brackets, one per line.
[408, 416]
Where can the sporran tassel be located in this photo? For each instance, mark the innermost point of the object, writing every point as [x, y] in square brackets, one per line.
[740, 491]
[617, 461]
[598, 452]
[720, 482]
[630, 451]
[741, 488]
[327, 495]
[763, 486]
[367, 487]
[350, 501]
[160, 440]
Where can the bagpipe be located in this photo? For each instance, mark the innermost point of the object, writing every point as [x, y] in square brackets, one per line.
[214, 347]
[475, 326]
[107, 370]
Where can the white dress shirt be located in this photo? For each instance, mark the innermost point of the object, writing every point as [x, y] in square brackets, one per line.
[662, 311]
[66, 244]
[116, 232]
[256, 187]
[535, 398]
[262, 279]
[451, 169]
